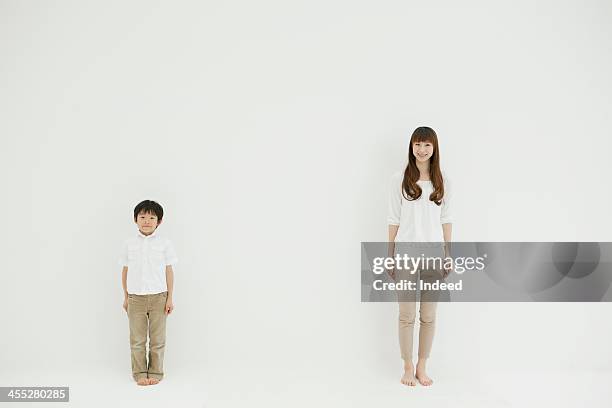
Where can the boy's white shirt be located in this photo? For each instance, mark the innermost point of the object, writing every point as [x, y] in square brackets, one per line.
[146, 257]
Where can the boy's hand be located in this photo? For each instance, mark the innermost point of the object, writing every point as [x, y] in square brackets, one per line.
[125, 303]
[169, 306]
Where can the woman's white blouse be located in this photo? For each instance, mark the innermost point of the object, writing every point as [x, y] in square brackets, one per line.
[419, 220]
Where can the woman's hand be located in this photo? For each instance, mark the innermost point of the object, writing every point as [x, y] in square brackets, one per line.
[125, 303]
[391, 273]
[448, 268]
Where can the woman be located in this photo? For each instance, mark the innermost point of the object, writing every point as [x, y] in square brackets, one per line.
[419, 211]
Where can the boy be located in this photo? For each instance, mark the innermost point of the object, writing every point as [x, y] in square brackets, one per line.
[148, 282]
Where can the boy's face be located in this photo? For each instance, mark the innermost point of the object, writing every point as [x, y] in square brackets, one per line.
[147, 222]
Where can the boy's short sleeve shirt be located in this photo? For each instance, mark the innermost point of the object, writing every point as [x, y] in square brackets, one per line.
[146, 258]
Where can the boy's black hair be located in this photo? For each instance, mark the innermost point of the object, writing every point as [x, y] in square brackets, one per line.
[148, 206]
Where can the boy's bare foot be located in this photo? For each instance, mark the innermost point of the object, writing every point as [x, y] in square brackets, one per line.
[421, 374]
[408, 377]
[153, 381]
[143, 381]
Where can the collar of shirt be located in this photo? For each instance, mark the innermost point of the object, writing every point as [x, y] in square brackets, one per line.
[151, 235]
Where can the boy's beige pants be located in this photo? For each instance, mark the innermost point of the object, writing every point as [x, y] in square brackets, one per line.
[427, 315]
[147, 315]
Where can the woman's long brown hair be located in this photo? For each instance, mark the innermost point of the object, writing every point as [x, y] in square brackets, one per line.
[410, 188]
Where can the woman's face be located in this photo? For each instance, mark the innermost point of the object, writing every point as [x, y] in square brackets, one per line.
[422, 151]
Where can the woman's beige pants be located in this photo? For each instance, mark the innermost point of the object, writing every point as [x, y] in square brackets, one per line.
[407, 316]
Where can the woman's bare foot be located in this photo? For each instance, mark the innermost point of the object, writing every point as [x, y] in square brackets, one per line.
[408, 377]
[142, 381]
[153, 381]
[421, 374]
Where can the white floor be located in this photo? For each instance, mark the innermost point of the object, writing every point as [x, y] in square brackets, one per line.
[270, 388]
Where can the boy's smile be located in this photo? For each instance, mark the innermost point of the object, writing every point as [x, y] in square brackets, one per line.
[147, 223]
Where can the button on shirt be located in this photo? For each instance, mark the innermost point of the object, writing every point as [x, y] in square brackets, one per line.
[146, 257]
[419, 220]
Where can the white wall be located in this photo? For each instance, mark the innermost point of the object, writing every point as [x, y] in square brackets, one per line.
[268, 130]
